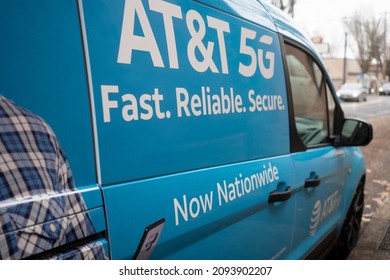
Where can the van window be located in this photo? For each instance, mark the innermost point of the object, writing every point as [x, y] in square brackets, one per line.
[313, 118]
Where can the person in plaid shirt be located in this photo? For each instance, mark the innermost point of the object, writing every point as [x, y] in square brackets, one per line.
[39, 208]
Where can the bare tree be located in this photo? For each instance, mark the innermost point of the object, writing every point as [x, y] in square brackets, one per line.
[285, 5]
[369, 34]
[378, 44]
[386, 65]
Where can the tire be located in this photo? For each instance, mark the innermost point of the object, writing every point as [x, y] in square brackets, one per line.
[350, 231]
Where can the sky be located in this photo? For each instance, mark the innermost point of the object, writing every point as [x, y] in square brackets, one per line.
[325, 18]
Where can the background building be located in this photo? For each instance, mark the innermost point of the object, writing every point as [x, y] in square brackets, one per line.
[335, 66]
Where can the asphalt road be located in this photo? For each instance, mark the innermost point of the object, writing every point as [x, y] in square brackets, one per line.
[375, 106]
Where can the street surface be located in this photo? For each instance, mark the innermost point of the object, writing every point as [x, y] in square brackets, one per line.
[375, 106]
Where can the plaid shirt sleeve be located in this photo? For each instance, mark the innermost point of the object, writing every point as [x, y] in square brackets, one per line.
[39, 206]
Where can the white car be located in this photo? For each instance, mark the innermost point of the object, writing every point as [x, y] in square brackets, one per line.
[384, 89]
[352, 91]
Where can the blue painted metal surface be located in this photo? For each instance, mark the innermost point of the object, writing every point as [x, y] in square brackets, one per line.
[158, 111]
[42, 69]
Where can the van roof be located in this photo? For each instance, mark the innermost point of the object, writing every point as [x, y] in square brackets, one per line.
[285, 25]
[265, 14]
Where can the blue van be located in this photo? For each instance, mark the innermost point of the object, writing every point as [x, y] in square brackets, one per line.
[195, 129]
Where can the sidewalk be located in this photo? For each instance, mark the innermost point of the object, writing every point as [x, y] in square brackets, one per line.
[374, 242]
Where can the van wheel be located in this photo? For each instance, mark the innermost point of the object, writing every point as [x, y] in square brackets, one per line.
[350, 232]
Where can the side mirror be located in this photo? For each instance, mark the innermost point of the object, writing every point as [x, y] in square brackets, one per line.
[356, 133]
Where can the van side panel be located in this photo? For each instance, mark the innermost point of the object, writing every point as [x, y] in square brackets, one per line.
[180, 86]
[42, 69]
[216, 213]
[188, 99]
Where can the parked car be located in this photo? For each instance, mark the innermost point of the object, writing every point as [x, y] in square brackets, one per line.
[194, 130]
[384, 89]
[352, 91]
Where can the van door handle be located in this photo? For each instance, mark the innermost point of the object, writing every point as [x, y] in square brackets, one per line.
[278, 196]
[312, 182]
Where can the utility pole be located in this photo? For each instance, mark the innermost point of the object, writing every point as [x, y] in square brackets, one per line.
[345, 58]
[386, 55]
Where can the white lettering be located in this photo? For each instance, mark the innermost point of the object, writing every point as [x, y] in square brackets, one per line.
[196, 43]
[200, 51]
[222, 193]
[169, 11]
[330, 205]
[134, 107]
[207, 103]
[195, 213]
[107, 103]
[202, 203]
[264, 102]
[243, 185]
[130, 41]
[250, 69]
[267, 73]
[221, 27]
[183, 210]
[157, 98]
[206, 202]
[146, 107]
[182, 103]
[130, 111]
